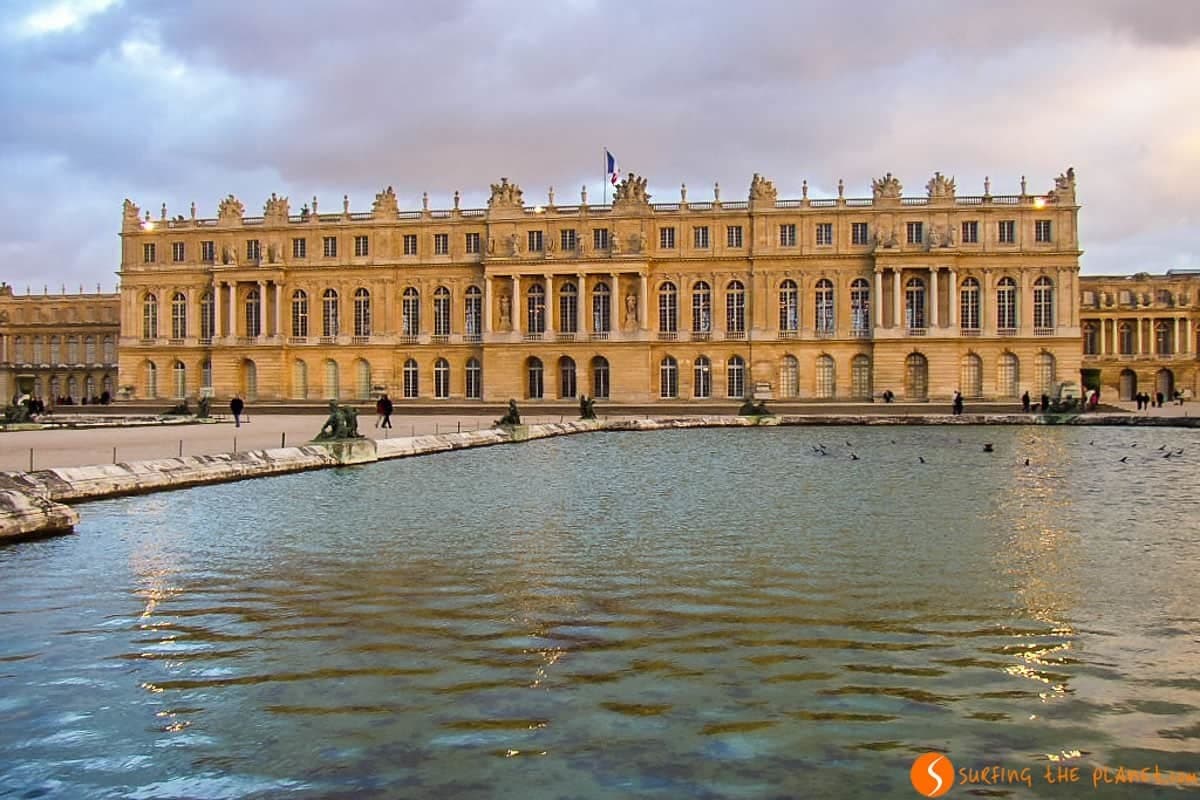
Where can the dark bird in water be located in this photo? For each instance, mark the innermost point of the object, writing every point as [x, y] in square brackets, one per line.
[848, 444]
[1027, 462]
[1167, 454]
[987, 448]
[893, 441]
[1133, 445]
[921, 459]
[1123, 459]
[1092, 442]
[1179, 452]
[1162, 447]
[853, 457]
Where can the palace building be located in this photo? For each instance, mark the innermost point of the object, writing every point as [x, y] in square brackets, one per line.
[635, 302]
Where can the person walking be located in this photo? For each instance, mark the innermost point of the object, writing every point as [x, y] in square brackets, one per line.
[386, 404]
[1025, 404]
[236, 406]
[379, 410]
[958, 402]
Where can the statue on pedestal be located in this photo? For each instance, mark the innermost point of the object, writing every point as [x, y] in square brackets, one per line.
[587, 407]
[512, 416]
[342, 423]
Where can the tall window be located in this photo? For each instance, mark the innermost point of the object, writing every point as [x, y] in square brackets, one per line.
[860, 306]
[329, 246]
[1091, 339]
[299, 379]
[735, 377]
[968, 305]
[441, 244]
[410, 244]
[441, 311]
[789, 377]
[568, 308]
[1041, 230]
[824, 234]
[55, 350]
[700, 237]
[1006, 304]
[19, 354]
[1043, 372]
[1162, 338]
[472, 243]
[970, 232]
[151, 379]
[253, 250]
[441, 379]
[362, 379]
[825, 377]
[535, 310]
[474, 312]
[89, 349]
[600, 239]
[149, 318]
[299, 248]
[333, 385]
[787, 235]
[1125, 339]
[701, 307]
[668, 377]
[179, 379]
[1007, 375]
[914, 304]
[567, 239]
[823, 307]
[178, 316]
[362, 312]
[702, 378]
[566, 377]
[1007, 231]
[733, 236]
[148, 252]
[915, 232]
[860, 377]
[208, 251]
[110, 350]
[206, 373]
[970, 379]
[253, 312]
[535, 379]
[412, 379]
[37, 350]
[329, 313]
[208, 317]
[474, 379]
[536, 242]
[601, 308]
[916, 377]
[72, 349]
[666, 238]
[858, 233]
[361, 248]
[735, 308]
[600, 386]
[668, 308]
[299, 313]
[789, 306]
[177, 251]
[410, 312]
[1043, 303]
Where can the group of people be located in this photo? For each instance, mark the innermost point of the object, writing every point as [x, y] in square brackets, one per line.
[383, 411]
[1145, 400]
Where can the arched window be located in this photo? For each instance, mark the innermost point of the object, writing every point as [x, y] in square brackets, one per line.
[38, 350]
[860, 307]
[668, 309]
[566, 377]
[601, 308]
[1091, 339]
[968, 306]
[860, 377]
[1125, 339]
[412, 379]
[299, 379]
[410, 312]
[250, 379]
[735, 377]
[789, 307]
[89, 349]
[474, 379]
[72, 349]
[55, 388]
[329, 313]
[823, 307]
[333, 383]
[110, 350]
[150, 318]
[55, 350]
[1006, 305]
[789, 377]
[253, 312]
[362, 312]
[473, 310]
[441, 314]
[701, 307]
[362, 379]
[72, 387]
[1043, 303]
[914, 304]
[825, 377]
[179, 380]
[1008, 375]
[206, 375]
[89, 388]
[1043, 372]
[1128, 384]
[568, 308]
[208, 315]
[178, 317]
[970, 377]
[600, 387]
[535, 310]
[300, 314]
[735, 310]
[534, 373]
[151, 379]
[107, 385]
[702, 378]
[441, 378]
[1163, 344]
[668, 378]
[916, 377]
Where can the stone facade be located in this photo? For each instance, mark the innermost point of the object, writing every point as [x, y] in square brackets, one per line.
[839, 298]
[1141, 333]
[58, 345]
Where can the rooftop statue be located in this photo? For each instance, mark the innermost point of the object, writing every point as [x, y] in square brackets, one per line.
[1064, 188]
[886, 188]
[506, 195]
[762, 189]
[131, 214]
[631, 190]
[231, 210]
[276, 208]
[940, 187]
[342, 423]
[385, 203]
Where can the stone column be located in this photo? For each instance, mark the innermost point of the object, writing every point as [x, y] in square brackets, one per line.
[3, 351]
[232, 308]
[1140, 322]
[952, 299]
[216, 331]
[582, 315]
[517, 308]
[616, 307]
[262, 308]
[643, 305]
[1187, 335]
[192, 313]
[897, 308]
[278, 309]
[933, 297]
[1176, 349]
[877, 316]
[1103, 337]
[550, 306]
[487, 303]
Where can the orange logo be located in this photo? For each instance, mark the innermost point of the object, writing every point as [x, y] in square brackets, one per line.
[932, 774]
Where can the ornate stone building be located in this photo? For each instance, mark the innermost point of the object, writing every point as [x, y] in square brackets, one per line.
[58, 345]
[637, 302]
[1141, 333]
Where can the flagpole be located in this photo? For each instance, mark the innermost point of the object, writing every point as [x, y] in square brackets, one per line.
[605, 174]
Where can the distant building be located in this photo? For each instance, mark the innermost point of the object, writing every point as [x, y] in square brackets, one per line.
[637, 302]
[58, 345]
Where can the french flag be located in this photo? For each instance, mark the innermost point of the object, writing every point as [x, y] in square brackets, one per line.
[612, 170]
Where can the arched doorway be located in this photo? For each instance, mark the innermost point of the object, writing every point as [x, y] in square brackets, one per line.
[916, 377]
[1164, 382]
[1128, 384]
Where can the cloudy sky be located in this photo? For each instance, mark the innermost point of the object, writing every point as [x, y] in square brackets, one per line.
[183, 101]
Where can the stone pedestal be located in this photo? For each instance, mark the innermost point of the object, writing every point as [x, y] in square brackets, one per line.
[350, 451]
[24, 515]
[516, 433]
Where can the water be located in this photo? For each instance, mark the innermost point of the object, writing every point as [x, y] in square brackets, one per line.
[712, 613]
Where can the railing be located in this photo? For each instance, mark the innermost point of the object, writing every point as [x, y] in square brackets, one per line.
[665, 206]
[408, 338]
[701, 336]
[860, 333]
[598, 336]
[297, 340]
[915, 331]
[175, 342]
[206, 341]
[362, 215]
[473, 338]
[440, 338]
[533, 336]
[789, 204]
[146, 341]
[327, 340]
[914, 201]
[974, 200]
[969, 331]
[1043, 331]
[473, 212]
[1006, 199]
[705, 206]
[859, 202]
[360, 340]
[825, 333]
[1006, 331]
[789, 334]
[565, 336]
[668, 336]
[245, 340]
[822, 203]
[736, 205]
[735, 334]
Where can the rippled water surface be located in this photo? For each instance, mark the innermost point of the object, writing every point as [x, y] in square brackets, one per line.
[709, 613]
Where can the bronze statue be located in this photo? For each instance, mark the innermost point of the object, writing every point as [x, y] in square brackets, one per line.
[342, 423]
[753, 409]
[512, 416]
[587, 407]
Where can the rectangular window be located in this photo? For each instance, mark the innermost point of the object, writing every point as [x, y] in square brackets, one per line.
[599, 238]
[177, 251]
[1041, 230]
[970, 232]
[410, 244]
[329, 247]
[858, 233]
[916, 232]
[787, 235]
[472, 242]
[733, 236]
[300, 248]
[700, 237]
[1008, 231]
[824, 234]
[148, 252]
[567, 239]
[441, 244]
[208, 251]
[253, 252]
[361, 248]
[536, 242]
[666, 238]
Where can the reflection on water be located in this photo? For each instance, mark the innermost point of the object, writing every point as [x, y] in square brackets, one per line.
[721, 613]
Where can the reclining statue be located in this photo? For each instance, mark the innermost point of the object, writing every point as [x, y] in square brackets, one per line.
[342, 423]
